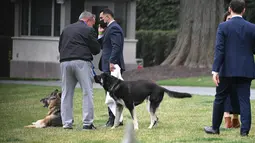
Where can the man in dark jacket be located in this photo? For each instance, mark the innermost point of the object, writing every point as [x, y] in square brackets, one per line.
[112, 42]
[233, 66]
[77, 44]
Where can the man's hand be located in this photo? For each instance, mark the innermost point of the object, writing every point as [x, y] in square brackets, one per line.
[100, 30]
[112, 67]
[216, 78]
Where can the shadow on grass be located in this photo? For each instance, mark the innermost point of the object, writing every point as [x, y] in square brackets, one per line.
[12, 140]
[202, 140]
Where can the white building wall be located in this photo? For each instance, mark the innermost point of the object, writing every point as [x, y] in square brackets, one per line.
[37, 49]
[43, 49]
[38, 57]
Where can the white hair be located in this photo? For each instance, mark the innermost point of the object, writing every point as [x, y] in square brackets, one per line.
[86, 14]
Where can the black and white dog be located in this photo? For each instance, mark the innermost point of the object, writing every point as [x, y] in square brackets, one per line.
[133, 93]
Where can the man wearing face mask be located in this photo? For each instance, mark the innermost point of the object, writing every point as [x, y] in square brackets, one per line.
[102, 26]
[112, 40]
[77, 44]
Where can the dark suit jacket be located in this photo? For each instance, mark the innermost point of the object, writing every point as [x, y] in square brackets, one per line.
[235, 46]
[112, 47]
[78, 41]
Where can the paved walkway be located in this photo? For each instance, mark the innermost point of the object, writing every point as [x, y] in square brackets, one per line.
[193, 90]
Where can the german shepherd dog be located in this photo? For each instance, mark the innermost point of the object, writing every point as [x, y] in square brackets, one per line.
[133, 93]
[53, 118]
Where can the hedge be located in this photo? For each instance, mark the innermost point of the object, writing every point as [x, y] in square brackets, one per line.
[154, 46]
[157, 14]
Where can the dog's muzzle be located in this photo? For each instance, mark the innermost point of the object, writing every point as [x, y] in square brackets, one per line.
[44, 101]
[97, 79]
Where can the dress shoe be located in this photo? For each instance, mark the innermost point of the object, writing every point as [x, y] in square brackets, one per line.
[89, 127]
[244, 134]
[210, 130]
[228, 123]
[235, 123]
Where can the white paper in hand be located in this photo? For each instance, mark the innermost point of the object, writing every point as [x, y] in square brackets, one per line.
[109, 100]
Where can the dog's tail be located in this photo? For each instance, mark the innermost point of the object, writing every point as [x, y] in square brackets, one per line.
[177, 94]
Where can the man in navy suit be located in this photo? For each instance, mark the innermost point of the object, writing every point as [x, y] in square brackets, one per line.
[233, 68]
[112, 42]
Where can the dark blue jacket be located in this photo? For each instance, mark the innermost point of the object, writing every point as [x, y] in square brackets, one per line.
[234, 49]
[112, 47]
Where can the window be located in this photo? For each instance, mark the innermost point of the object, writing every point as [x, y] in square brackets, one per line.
[57, 20]
[25, 13]
[119, 9]
[120, 14]
[40, 18]
[77, 7]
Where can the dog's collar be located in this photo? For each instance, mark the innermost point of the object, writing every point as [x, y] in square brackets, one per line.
[115, 86]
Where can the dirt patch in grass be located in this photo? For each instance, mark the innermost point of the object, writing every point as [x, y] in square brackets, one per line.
[165, 72]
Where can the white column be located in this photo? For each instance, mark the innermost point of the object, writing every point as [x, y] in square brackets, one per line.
[131, 19]
[17, 19]
[65, 12]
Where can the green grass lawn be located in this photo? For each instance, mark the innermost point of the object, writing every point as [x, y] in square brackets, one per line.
[180, 120]
[204, 81]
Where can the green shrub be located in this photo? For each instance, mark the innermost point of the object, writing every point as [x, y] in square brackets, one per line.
[250, 9]
[157, 14]
[154, 46]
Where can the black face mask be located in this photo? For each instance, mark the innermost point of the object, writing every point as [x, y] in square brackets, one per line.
[102, 24]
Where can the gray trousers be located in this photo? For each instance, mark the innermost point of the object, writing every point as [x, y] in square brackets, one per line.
[73, 72]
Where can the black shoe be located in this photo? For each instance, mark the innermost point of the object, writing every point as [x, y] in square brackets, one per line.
[89, 127]
[210, 130]
[121, 123]
[244, 134]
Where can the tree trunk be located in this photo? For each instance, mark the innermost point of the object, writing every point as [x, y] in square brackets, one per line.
[196, 38]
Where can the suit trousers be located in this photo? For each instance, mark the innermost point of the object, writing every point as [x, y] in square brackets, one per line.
[231, 86]
[231, 104]
[73, 72]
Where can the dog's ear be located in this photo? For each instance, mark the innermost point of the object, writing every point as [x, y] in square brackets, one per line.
[59, 94]
[55, 91]
[103, 75]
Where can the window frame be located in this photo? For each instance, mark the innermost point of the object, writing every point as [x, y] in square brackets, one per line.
[29, 20]
[111, 5]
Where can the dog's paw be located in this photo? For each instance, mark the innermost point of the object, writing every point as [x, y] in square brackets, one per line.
[155, 122]
[150, 127]
[113, 127]
[135, 127]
